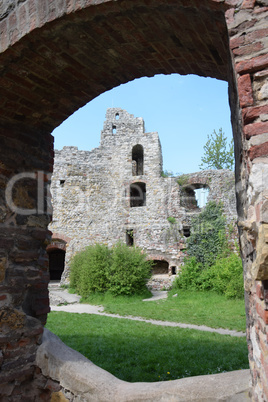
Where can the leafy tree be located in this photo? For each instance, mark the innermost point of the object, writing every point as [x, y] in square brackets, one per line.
[217, 153]
[208, 239]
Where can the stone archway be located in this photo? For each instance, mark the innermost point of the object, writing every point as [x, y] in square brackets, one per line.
[58, 55]
[56, 254]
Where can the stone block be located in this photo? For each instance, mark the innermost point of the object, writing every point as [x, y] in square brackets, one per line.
[260, 265]
[245, 91]
[252, 65]
[255, 129]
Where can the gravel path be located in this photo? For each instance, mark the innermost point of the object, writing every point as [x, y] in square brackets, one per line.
[73, 306]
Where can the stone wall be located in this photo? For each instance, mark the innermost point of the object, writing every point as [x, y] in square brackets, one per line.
[92, 197]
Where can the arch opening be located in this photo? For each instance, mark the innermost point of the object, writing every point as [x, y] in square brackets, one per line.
[137, 194]
[160, 267]
[137, 160]
[56, 263]
[194, 196]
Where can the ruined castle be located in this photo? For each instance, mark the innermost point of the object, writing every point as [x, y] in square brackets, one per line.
[117, 192]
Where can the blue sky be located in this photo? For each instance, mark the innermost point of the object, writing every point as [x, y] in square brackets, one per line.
[182, 109]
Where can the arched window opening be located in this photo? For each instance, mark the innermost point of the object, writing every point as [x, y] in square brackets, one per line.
[56, 263]
[194, 196]
[173, 270]
[137, 160]
[160, 267]
[137, 195]
[117, 116]
[114, 129]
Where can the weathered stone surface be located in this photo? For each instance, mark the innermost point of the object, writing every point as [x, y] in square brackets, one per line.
[260, 266]
[83, 379]
[263, 94]
[245, 90]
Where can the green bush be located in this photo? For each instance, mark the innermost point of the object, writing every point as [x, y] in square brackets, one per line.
[189, 277]
[129, 270]
[121, 270]
[208, 238]
[89, 269]
[225, 276]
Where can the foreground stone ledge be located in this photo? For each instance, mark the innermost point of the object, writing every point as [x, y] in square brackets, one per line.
[82, 379]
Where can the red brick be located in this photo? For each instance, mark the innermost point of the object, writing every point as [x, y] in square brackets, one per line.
[252, 65]
[252, 113]
[261, 312]
[258, 151]
[248, 4]
[260, 10]
[24, 342]
[259, 290]
[258, 34]
[52, 385]
[248, 49]
[255, 129]
[3, 297]
[236, 42]
[245, 91]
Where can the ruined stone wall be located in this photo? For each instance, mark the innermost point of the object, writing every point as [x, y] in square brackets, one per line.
[92, 200]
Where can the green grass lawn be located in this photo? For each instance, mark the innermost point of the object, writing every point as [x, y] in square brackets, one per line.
[200, 308]
[137, 351]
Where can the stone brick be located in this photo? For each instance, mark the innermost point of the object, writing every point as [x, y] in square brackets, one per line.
[248, 49]
[248, 4]
[255, 129]
[252, 113]
[252, 65]
[237, 42]
[260, 10]
[259, 290]
[256, 34]
[262, 312]
[245, 91]
[258, 151]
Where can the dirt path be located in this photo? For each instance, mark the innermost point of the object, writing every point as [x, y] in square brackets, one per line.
[73, 306]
